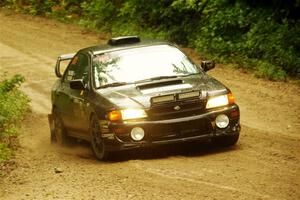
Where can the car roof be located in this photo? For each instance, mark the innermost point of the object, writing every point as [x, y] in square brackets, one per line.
[108, 48]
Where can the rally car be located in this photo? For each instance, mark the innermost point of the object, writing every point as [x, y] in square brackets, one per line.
[134, 93]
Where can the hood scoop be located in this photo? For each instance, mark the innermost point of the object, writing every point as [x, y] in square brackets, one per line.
[156, 84]
[163, 86]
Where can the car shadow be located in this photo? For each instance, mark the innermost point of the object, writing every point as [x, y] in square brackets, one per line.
[190, 149]
[82, 150]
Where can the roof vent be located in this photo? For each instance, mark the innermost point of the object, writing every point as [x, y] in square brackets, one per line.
[123, 40]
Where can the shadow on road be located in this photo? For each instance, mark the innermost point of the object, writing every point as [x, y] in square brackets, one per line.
[191, 149]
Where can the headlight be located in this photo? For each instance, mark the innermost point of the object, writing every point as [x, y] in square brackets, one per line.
[221, 100]
[126, 114]
[133, 114]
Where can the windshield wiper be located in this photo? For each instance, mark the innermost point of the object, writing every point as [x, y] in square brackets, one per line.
[114, 84]
[155, 78]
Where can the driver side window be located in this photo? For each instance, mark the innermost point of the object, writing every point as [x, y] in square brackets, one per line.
[78, 68]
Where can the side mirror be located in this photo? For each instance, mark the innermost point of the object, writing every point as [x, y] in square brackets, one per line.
[77, 84]
[207, 65]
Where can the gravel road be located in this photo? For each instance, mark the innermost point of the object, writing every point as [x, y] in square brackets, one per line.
[265, 163]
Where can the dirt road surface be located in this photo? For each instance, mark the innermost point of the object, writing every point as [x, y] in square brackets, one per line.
[265, 164]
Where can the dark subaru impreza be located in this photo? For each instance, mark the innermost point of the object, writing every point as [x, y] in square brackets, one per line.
[133, 93]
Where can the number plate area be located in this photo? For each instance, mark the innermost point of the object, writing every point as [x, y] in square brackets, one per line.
[179, 130]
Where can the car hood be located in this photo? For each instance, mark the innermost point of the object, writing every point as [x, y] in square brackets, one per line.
[139, 95]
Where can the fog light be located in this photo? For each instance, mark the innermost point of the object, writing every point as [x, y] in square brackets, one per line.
[222, 121]
[137, 133]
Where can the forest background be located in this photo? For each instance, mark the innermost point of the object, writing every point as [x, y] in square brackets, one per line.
[261, 36]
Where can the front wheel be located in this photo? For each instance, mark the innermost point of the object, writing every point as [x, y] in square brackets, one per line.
[97, 144]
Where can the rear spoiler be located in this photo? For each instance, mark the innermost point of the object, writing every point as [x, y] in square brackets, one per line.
[62, 58]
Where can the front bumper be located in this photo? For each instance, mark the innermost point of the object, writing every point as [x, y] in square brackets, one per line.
[193, 128]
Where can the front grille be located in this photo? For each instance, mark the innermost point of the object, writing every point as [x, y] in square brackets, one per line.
[177, 109]
[180, 130]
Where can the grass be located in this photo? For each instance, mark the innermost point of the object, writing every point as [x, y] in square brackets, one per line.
[13, 106]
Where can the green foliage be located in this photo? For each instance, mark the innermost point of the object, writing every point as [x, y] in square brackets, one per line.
[5, 152]
[9, 85]
[269, 71]
[97, 14]
[13, 105]
[243, 32]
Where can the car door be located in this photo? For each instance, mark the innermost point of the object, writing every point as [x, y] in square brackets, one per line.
[75, 112]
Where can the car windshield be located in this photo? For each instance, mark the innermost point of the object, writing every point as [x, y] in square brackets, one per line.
[141, 64]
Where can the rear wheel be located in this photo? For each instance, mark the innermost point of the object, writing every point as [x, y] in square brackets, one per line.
[60, 133]
[97, 144]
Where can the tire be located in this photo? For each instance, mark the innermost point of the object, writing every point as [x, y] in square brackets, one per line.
[97, 144]
[60, 133]
[226, 141]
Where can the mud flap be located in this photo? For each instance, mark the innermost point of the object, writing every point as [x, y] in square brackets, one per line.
[51, 126]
